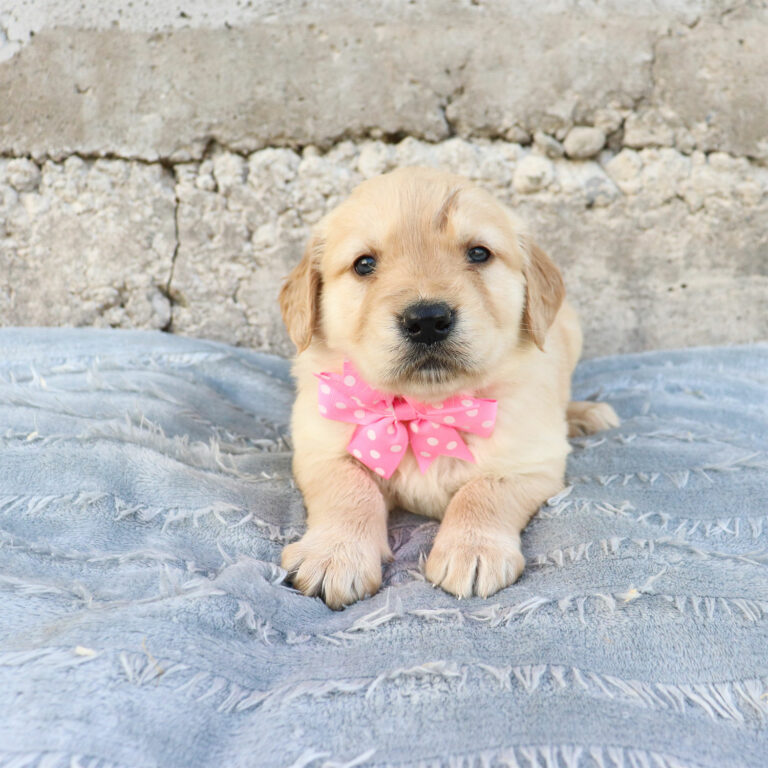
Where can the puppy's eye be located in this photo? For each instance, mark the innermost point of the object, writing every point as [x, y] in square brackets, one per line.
[365, 265]
[478, 254]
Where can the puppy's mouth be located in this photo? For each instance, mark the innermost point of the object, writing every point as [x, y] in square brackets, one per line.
[432, 364]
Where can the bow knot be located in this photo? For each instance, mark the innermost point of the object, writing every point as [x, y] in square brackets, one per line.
[389, 424]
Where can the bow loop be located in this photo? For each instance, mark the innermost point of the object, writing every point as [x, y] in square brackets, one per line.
[347, 397]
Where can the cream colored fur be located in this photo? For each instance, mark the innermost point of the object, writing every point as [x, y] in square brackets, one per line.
[521, 339]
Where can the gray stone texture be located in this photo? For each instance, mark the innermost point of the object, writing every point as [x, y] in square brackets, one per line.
[85, 243]
[162, 83]
[659, 249]
[583, 142]
[161, 164]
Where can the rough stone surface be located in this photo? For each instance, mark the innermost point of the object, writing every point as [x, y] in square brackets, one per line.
[85, 243]
[649, 128]
[658, 249]
[608, 120]
[548, 145]
[583, 142]
[163, 80]
[532, 174]
[715, 75]
[161, 164]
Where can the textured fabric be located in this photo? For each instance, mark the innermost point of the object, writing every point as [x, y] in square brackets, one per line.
[145, 496]
[381, 438]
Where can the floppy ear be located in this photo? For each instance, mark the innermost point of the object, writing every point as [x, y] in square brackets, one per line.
[544, 292]
[300, 296]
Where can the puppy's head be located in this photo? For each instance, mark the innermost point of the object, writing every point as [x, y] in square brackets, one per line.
[424, 281]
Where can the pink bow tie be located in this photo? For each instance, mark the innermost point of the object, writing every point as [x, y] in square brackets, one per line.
[381, 438]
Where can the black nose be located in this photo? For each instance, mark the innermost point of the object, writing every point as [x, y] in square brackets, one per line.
[427, 321]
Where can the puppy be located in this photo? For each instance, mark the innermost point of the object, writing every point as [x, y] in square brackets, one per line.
[424, 296]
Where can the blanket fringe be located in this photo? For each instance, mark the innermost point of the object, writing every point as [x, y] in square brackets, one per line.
[518, 756]
[730, 700]
[36, 504]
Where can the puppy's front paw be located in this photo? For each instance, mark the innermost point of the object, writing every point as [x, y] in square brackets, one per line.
[325, 562]
[466, 564]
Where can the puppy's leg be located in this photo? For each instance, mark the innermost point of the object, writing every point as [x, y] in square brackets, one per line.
[477, 549]
[585, 417]
[339, 557]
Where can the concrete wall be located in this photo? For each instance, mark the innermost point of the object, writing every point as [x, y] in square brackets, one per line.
[161, 168]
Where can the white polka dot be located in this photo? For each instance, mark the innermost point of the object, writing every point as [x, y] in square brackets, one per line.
[450, 446]
[371, 434]
[414, 427]
[341, 406]
[375, 455]
[357, 400]
[437, 406]
[472, 413]
[390, 430]
[322, 409]
[359, 414]
[434, 425]
[357, 454]
[325, 389]
[448, 420]
[350, 381]
[379, 471]
[466, 403]
[395, 448]
[425, 454]
[487, 424]
[433, 441]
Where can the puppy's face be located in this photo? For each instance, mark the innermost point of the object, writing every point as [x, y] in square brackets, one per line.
[424, 282]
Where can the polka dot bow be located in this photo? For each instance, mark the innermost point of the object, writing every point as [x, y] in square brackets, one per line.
[387, 424]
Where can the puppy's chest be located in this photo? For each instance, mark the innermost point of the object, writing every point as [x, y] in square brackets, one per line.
[427, 493]
[518, 445]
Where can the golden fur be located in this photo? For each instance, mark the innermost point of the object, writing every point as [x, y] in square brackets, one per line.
[517, 341]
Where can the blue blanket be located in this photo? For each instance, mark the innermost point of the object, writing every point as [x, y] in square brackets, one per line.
[145, 495]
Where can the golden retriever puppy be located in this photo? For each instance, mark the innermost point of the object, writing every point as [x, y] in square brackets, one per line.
[423, 296]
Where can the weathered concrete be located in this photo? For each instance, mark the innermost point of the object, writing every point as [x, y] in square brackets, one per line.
[225, 132]
[163, 82]
[85, 243]
[715, 77]
[659, 249]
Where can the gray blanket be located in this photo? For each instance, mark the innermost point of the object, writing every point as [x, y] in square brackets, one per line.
[145, 495]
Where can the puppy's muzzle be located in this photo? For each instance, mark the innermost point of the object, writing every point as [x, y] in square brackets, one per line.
[427, 322]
